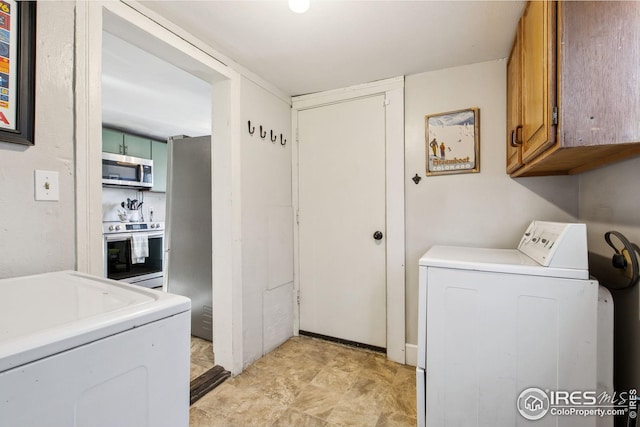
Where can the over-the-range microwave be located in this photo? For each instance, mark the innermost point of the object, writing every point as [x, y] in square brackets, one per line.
[126, 171]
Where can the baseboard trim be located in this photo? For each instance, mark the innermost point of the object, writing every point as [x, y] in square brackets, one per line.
[345, 342]
[207, 382]
[411, 354]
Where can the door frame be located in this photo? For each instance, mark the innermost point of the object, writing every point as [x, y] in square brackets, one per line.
[226, 162]
[393, 89]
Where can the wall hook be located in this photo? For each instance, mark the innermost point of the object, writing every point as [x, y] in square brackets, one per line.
[282, 141]
[273, 138]
[417, 179]
[251, 129]
[261, 134]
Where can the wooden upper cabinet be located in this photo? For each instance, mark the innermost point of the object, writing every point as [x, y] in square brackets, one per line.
[514, 104]
[593, 88]
[538, 77]
[600, 82]
[531, 85]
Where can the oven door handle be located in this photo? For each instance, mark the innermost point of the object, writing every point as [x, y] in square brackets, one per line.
[117, 237]
[128, 236]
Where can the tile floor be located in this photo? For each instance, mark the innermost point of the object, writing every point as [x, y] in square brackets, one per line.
[201, 357]
[309, 382]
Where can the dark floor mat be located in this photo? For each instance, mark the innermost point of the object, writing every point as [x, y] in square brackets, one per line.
[207, 382]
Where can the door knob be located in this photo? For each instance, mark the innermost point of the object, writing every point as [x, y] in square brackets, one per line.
[378, 235]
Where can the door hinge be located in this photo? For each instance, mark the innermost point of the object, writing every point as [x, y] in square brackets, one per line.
[554, 116]
[297, 216]
[298, 296]
[297, 135]
[386, 102]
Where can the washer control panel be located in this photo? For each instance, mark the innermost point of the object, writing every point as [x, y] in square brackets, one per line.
[556, 244]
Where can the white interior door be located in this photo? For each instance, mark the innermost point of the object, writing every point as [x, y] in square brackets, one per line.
[341, 169]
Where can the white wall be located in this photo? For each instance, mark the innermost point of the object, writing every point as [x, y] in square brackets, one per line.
[267, 223]
[609, 201]
[486, 209]
[38, 236]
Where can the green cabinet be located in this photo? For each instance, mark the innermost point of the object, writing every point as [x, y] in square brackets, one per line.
[117, 142]
[137, 146]
[159, 157]
[112, 141]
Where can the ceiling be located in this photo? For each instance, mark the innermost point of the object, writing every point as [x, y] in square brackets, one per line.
[341, 43]
[334, 44]
[146, 95]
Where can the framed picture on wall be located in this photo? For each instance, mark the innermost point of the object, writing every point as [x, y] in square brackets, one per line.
[453, 142]
[17, 71]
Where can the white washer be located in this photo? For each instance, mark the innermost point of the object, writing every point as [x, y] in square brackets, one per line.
[495, 322]
[78, 350]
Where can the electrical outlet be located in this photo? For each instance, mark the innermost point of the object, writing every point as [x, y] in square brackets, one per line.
[46, 185]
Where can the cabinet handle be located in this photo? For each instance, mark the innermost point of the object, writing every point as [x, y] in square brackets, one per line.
[514, 139]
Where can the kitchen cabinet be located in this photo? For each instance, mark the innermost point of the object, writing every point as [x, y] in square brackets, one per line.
[538, 77]
[583, 110]
[159, 157]
[514, 104]
[531, 85]
[118, 142]
[112, 141]
[137, 146]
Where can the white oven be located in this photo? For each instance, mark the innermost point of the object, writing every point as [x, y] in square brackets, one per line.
[133, 252]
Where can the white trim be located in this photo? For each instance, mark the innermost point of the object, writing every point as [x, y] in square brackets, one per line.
[88, 149]
[394, 92]
[227, 216]
[337, 95]
[149, 25]
[227, 226]
[395, 225]
[411, 354]
[295, 203]
[209, 50]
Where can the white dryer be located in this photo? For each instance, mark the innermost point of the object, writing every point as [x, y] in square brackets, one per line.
[78, 350]
[494, 323]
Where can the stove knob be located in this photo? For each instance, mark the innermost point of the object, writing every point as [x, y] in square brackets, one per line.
[157, 225]
[111, 228]
[153, 226]
[117, 227]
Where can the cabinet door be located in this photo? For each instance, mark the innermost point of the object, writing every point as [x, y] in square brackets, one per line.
[539, 76]
[137, 146]
[514, 104]
[600, 83]
[159, 157]
[112, 141]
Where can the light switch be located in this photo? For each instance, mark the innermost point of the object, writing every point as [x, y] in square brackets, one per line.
[46, 183]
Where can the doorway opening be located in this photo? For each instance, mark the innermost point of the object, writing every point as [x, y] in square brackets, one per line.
[134, 28]
[360, 117]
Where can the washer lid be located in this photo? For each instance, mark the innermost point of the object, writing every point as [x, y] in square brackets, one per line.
[494, 260]
[48, 313]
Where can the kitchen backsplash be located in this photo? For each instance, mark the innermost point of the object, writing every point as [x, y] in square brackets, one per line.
[113, 197]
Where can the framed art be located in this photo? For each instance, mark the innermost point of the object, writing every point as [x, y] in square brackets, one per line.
[453, 142]
[17, 71]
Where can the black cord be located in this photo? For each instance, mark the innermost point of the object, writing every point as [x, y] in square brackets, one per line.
[619, 261]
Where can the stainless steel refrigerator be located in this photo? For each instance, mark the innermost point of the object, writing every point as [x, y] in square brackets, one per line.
[188, 249]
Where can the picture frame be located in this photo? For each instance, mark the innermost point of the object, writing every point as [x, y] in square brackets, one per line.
[452, 142]
[17, 71]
